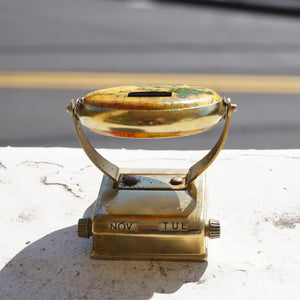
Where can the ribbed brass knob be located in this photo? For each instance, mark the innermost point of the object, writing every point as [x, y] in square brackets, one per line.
[84, 228]
[213, 229]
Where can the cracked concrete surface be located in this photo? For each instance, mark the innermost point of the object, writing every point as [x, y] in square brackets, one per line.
[45, 181]
[255, 194]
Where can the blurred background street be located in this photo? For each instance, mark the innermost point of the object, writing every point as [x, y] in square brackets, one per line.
[52, 51]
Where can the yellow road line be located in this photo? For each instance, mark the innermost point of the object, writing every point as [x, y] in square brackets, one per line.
[81, 80]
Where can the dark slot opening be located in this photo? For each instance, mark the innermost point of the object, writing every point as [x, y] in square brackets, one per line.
[150, 94]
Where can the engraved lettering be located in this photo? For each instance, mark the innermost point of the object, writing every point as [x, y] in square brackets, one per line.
[113, 226]
[128, 225]
[122, 226]
[174, 226]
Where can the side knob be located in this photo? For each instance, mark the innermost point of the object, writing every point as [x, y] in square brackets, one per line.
[84, 228]
[213, 229]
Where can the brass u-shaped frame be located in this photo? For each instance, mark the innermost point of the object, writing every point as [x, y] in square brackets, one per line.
[113, 171]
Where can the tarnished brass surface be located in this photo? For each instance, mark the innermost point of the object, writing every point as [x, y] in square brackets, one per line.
[151, 111]
[150, 224]
[107, 167]
[159, 213]
[207, 160]
[114, 172]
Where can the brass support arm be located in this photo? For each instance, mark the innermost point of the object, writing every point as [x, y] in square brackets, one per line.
[108, 168]
[200, 166]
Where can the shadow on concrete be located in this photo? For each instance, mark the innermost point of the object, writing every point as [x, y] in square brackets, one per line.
[58, 266]
[288, 8]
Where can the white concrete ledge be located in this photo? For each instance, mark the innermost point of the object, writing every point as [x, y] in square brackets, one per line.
[255, 194]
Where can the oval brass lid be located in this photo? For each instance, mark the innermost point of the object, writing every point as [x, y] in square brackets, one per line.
[151, 97]
[151, 111]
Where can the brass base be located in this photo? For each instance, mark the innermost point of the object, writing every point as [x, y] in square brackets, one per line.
[174, 247]
[130, 224]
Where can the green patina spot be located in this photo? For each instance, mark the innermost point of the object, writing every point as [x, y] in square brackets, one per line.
[186, 92]
[180, 90]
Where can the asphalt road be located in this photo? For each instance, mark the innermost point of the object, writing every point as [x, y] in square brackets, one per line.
[146, 37]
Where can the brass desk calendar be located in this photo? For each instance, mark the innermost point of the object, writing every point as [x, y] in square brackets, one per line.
[150, 214]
